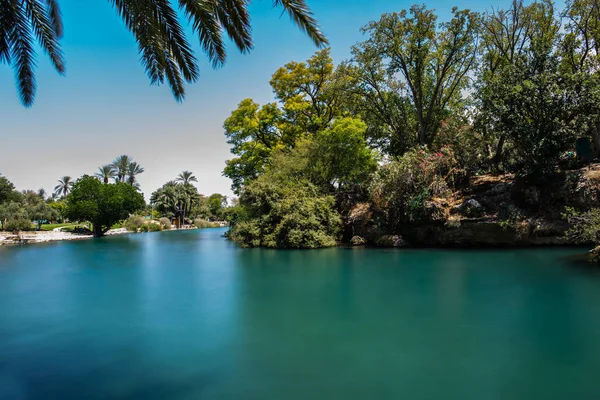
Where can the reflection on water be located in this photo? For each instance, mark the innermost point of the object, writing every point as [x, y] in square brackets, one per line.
[188, 315]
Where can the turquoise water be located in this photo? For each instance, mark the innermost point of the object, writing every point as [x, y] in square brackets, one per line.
[188, 315]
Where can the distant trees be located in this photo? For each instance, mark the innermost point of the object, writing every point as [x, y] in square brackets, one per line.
[162, 41]
[102, 204]
[19, 209]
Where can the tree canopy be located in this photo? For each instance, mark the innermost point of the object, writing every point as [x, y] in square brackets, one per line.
[102, 204]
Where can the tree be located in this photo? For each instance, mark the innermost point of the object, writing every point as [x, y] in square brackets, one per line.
[166, 53]
[133, 170]
[175, 199]
[102, 205]
[6, 189]
[186, 177]
[121, 166]
[309, 97]
[433, 62]
[106, 173]
[64, 186]
[216, 204]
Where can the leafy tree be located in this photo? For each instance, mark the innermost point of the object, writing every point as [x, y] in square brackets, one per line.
[6, 189]
[64, 186]
[309, 97]
[432, 61]
[186, 177]
[175, 199]
[216, 204]
[106, 173]
[102, 205]
[166, 53]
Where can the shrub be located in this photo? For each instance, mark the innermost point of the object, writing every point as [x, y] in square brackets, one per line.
[154, 227]
[401, 188]
[17, 224]
[286, 217]
[144, 228]
[134, 223]
[166, 223]
[201, 223]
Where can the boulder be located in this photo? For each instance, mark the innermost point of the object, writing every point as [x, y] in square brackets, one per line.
[358, 241]
[391, 241]
[470, 208]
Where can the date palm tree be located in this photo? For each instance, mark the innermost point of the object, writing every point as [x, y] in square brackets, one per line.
[105, 173]
[64, 186]
[186, 177]
[121, 167]
[166, 53]
[133, 170]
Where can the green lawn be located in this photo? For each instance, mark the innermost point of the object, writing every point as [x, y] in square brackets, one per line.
[50, 227]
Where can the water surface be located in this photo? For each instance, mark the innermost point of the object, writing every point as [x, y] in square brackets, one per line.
[188, 315]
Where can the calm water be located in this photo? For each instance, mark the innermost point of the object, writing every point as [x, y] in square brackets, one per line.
[188, 315]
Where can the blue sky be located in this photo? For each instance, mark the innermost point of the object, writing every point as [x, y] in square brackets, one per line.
[105, 106]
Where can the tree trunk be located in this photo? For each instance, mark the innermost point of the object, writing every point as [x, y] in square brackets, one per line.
[498, 156]
[98, 232]
[596, 138]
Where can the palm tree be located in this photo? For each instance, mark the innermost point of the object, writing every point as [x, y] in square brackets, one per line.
[186, 177]
[42, 193]
[166, 52]
[133, 169]
[64, 186]
[121, 167]
[105, 173]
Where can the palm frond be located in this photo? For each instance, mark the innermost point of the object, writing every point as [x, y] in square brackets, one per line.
[302, 16]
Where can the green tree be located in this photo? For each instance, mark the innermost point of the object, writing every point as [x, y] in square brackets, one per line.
[186, 177]
[64, 186]
[216, 205]
[102, 205]
[433, 61]
[166, 53]
[106, 173]
[133, 170]
[121, 167]
[6, 189]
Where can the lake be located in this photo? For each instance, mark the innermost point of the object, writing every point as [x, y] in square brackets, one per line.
[189, 315]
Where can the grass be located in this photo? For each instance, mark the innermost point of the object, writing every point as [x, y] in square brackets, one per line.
[51, 227]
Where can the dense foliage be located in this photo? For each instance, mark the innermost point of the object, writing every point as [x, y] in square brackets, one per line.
[420, 108]
[102, 204]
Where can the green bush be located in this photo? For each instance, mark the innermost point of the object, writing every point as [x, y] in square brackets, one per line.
[144, 228]
[166, 223]
[286, 217]
[17, 224]
[154, 227]
[201, 223]
[401, 188]
[134, 223]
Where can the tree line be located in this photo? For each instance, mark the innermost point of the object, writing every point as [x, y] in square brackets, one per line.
[107, 198]
[420, 107]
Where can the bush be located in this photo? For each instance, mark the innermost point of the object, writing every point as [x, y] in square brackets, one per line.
[154, 227]
[286, 217]
[401, 188]
[166, 223]
[201, 223]
[144, 228]
[134, 223]
[17, 224]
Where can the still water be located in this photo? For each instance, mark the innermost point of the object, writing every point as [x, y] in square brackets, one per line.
[188, 315]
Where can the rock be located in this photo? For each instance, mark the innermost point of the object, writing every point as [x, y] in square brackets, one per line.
[358, 241]
[433, 211]
[470, 208]
[391, 241]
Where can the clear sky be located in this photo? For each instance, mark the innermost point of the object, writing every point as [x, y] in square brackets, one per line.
[105, 106]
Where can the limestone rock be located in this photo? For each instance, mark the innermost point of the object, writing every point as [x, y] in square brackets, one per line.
[358, 241]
